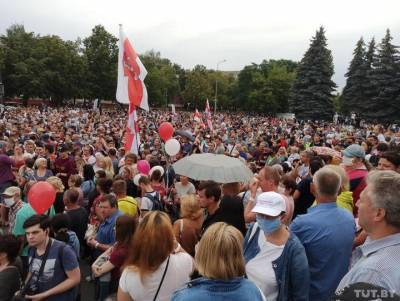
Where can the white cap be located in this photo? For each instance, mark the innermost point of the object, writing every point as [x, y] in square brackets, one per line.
[270, 203]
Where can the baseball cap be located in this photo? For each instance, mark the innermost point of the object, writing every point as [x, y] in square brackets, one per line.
[11, 191]
[354, 151]
[270, 203]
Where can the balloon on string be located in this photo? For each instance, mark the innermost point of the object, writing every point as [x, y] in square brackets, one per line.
[172, 147]
[137, 178]
[166, 130]
[41, 197]
[143, 167]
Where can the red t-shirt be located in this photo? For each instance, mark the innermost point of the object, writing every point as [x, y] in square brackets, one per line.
[117, 258]
[357, 179]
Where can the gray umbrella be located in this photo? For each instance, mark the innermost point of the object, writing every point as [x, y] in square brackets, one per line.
[185, 134]
[219, 168]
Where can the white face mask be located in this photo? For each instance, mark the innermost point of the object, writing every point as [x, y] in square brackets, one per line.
[9, 201]
[347, 161]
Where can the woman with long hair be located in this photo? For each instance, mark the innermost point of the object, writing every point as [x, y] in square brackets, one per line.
[112, 260]
[108, 167]
[157, 266]
[187, 229]
[219, 259]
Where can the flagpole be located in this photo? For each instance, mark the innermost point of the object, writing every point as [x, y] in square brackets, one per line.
[216, 86]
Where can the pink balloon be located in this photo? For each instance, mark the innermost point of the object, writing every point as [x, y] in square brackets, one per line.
[143, 167]
[41, 196]
[166, 130]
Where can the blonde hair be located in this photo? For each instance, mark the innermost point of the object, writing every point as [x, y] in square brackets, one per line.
[153, 242]
[220, 253]
[190, 207]
[108, 165]
[56, 183]
[345, 182]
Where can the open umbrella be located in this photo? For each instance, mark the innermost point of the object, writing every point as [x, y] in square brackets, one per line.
[186, 134]
[219, 168]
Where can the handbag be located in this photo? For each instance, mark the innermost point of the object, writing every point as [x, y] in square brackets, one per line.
[162, 280]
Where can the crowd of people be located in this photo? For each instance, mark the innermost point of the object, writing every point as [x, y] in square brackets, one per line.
[319, 221]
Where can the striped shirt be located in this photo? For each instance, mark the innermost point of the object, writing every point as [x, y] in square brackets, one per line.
[376, 262]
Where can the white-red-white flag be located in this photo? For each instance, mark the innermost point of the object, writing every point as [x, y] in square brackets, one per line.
[197, 116]
[131, 75]
[132, 136]
[208, 115]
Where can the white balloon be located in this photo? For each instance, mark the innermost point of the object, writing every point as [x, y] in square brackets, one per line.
[136, 179]
[158, 167]
[172, 147]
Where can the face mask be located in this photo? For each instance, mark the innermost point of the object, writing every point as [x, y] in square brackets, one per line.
[347, 161]
[268, 225]
[9, 201]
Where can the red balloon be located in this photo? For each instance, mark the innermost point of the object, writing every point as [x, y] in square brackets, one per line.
[166, 130]
[41, 196]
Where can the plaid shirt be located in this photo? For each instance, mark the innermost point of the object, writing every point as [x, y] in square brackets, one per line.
[376, 262]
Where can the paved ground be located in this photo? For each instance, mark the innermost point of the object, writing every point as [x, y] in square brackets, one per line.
[87, 288]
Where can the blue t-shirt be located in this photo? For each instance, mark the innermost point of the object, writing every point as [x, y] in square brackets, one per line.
[54, 270]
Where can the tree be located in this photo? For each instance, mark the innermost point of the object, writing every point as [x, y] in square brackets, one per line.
[312, 89]
[101, 54]
[265, 87]
[198, 87]
[353, 97]
[162, 80]
[385, 75]
[17, 69]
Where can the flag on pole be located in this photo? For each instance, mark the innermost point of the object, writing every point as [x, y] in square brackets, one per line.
[131, 74]
[96, 104]
[197, 116]
[208, 116]
[132, 137]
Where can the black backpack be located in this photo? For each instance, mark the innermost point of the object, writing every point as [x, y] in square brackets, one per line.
[156, 200]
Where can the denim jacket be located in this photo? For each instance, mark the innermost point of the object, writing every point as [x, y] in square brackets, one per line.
[291, 268]
[204, 289]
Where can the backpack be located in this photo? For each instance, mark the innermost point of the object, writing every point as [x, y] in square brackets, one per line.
[155, 199]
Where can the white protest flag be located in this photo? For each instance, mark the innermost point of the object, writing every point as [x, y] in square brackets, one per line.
[208, 116]
[131, 75]
[132, 137]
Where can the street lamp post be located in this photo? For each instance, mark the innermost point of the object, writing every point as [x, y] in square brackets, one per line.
[216, 86]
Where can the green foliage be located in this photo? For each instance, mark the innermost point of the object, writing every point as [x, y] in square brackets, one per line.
[383, 104]
[35, 66]
[101, 53]
[312, 89]
[354, 93]
[162, 80]
[265, 87]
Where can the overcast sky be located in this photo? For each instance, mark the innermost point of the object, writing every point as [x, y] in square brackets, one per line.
[207, 31]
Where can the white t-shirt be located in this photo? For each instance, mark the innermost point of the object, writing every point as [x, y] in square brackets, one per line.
[182, 190]
[146, 203]
[260, 270]
[179, 268]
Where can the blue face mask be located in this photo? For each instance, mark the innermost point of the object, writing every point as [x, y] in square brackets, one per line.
[268, 225]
